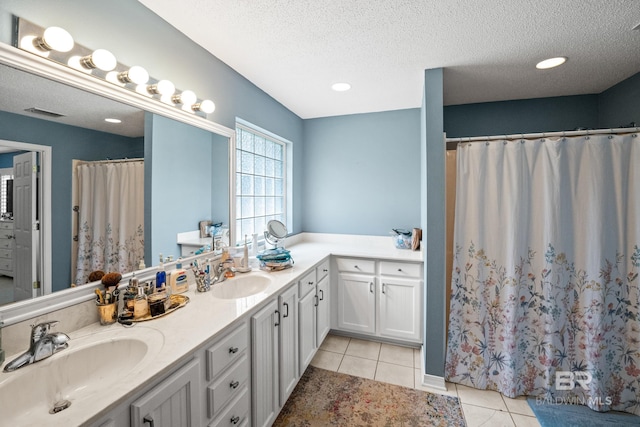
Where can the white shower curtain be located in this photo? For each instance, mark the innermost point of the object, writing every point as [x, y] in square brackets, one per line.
[545, 297]
[111, 217]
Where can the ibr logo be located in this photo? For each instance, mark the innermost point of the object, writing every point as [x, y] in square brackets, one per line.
[566, 380]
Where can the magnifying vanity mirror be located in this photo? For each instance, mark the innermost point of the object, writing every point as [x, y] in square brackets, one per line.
[186, 158]
[275, 233]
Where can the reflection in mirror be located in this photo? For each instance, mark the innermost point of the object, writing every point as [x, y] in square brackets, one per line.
[70, 123]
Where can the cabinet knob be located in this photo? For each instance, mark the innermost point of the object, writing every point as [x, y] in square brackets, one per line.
[235, 420]
[310, 283]
[356, 267]
[325, 270]
[233, 350]
[399, 269]
[234, 384]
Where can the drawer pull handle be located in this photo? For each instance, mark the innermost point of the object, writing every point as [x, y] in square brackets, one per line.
[371, 287]
[149, 420]
[316, 297]
[277, 321]
[383, 288]
[356, 267]
[310, 283]
[234, 384]
[399, 269]
[235, 420]
[325, 270]
[321, 295]
[233, 350]
[286, 304]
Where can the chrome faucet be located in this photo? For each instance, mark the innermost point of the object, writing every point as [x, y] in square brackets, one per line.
[43, 345]
[222, 268]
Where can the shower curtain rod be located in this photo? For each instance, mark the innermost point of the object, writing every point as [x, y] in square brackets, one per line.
[117, 161]
[519, 136]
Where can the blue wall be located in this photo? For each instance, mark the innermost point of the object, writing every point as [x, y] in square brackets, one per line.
[521, 116]
[361, 173]
[620, 104]
[67, 142]
[6, 160]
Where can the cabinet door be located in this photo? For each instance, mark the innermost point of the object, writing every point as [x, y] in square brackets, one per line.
[288, 303]
[264, 362]
[400, 314]
[174, 402]
[323, 311]
[356, 303]
[307, 316]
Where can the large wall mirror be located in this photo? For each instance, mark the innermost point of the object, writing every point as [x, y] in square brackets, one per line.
[186, 168]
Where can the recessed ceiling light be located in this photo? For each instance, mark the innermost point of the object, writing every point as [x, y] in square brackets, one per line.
[341, 87]
[113, 120]
[551, 62]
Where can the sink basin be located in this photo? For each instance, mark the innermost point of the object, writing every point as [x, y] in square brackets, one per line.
[241, 286]
[79, 375]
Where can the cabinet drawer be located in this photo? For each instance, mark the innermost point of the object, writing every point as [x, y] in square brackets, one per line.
[236, 413]
[307, 283]
[6, 264]
[6, 253]
[352, 265]
[6, 243]
[227, 386]
[401, 269]
[4, 225]
[226, 351]
[322, 270]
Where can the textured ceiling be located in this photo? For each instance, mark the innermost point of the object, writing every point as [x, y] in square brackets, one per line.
[295, 49]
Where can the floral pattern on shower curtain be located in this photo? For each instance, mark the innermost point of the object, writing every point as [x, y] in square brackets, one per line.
[545, 291]
[111, 217]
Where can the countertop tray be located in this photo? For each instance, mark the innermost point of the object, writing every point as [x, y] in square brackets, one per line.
[177, 301]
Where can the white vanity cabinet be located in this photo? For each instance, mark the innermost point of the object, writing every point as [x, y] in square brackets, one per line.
[274, 347]
[228, 378]
[6, 248]
[356, 295]
[400, 300]
[379, 298]
[314, 312]
[173, 402]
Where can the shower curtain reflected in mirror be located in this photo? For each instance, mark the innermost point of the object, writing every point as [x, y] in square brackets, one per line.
[110, 217]
[545, 270]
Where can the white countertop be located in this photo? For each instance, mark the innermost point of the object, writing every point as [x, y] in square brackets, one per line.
[189, 327]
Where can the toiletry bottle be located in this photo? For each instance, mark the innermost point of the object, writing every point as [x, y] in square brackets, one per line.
[245, 259]
[178, 279]
[254, 245]
[141, 265]
[207, 275]
[161, 276]
[140, 305]
[130, 293]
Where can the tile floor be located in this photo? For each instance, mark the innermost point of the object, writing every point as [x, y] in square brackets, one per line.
[401, 365]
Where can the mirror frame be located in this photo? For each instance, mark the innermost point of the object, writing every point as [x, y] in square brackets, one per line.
[31, 63]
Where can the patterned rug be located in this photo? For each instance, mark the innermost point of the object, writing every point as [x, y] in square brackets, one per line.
[326, 398]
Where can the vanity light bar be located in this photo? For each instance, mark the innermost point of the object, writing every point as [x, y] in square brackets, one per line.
[56, 44]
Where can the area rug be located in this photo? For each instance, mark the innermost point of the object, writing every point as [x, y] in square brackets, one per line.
[327, 398]
[550, 414]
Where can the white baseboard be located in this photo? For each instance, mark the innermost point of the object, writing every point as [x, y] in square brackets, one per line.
[433, 381]
[428, 380]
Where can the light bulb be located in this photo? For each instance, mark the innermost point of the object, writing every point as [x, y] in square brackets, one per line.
[54, 38]
[135, 74]
[341, 87]
[207, 106]
[187, 98]
[163, 87]
[101, 59]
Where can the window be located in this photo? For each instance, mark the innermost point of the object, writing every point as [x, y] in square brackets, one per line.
[261, 185]
[4, 177]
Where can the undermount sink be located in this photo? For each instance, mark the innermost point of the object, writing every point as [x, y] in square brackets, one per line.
[241, 286]
[77, 376]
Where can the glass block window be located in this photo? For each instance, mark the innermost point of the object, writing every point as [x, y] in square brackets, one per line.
[260, 181]
[3, 192]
